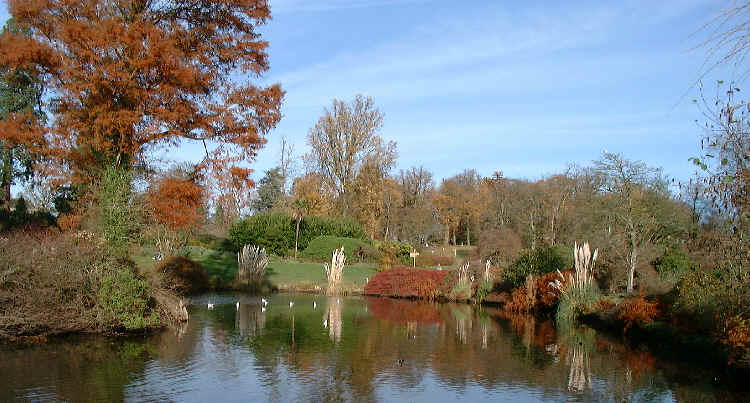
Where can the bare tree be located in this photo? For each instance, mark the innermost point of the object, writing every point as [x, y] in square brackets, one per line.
[343, 139]
[633, 195]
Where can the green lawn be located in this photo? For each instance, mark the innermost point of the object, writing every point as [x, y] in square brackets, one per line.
[221, 268]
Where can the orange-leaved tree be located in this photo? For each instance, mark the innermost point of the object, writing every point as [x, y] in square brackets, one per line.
[176, 203]
[128, 77]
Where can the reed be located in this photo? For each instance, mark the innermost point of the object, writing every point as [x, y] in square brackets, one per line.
[251, 263]
[577, 290]
[334, 271]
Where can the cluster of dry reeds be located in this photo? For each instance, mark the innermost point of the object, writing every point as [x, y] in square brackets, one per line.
[463, 273]
[583, 276]
[252, 262]
[334, 271]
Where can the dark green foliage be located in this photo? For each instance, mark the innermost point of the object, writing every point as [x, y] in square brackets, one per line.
[313, 227]
[118, 217]
[276, 231]
[124, 300]
[20, 216]
[356, 250]
[674, 264]
[273, 231]
[537, 262]
[270, 190]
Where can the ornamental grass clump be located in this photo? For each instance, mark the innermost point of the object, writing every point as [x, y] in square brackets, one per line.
[251, 263]
[578, 291]
[334, 271]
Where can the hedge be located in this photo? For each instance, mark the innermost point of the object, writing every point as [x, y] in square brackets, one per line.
[276, 231]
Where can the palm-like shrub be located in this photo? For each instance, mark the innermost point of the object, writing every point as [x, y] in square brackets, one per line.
[251, 263]
[334, 271]
[578, 290]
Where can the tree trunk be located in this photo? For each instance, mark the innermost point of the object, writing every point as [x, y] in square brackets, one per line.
[447, 239]
[632, 263]
[468, 232]
[552, 231]
[296, 237]
[5, 180]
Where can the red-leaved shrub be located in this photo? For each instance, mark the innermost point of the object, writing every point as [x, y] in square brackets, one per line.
[637, 311]
[403, 282]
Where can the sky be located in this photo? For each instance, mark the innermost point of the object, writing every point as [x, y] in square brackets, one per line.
[522, 87]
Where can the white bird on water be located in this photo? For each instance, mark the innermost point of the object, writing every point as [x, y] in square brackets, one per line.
[210, 305]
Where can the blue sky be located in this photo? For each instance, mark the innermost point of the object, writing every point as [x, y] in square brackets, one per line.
[524, 87]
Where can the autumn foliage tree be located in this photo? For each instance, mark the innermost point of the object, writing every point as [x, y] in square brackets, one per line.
[129, 77]
[176, 203]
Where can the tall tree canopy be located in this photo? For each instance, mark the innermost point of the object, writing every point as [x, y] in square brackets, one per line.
[346, 138]
[129, 76]
[20, 108]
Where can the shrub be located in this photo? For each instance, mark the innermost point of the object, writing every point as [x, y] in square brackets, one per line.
[273, 231]
[400, 249]
[118, 217]
[276, 231]
[182, 275]
[673, 265]
[313, 226]
[483, 289]
[637, 311]
[124, 300]
[543, 296]
[54, 283]
[537, 262]
[404, 282]
[709, 298]
[356, 250]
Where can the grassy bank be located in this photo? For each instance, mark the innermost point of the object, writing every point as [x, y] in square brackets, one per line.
[281, 274]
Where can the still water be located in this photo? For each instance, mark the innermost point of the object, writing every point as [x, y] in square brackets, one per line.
[351, 349]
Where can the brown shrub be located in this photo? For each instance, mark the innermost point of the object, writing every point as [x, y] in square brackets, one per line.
[738, 336]
[536, 295]
[638, 311]
[182, 275]
[403, 282]
[69, 222]
[52, 283]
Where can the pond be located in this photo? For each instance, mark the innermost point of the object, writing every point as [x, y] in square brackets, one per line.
[351, 349]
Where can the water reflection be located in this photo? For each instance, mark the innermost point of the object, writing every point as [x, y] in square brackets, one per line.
[362, 349]
[251, 316]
